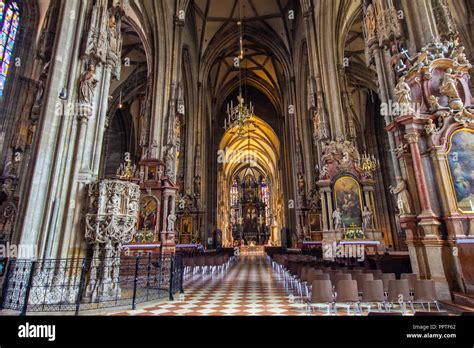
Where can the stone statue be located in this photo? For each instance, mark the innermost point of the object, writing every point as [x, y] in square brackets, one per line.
[316, 125]
[40, 91]
[177, 130]
[371, 22]
[324, 174]
[301, 185]
[113, 35]
[421, 60]
[169, 160]
[448, 88]
[7, 187]
[430, 127]
[459, 56]
[367, 218]
[171, 222]
[88, 85]
[404, 201]
[403, 92]
[337, 218]
[434, 103]
[197, 185]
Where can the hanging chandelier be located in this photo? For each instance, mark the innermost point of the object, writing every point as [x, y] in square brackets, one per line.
[239, 116]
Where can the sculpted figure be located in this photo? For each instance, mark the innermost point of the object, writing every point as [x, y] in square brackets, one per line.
[404, 201]
[171, 222]
[113, 36]
[87, 85]
[403, 92]
[448, 85]
[371, 21]
[366, 218]
[337, 218]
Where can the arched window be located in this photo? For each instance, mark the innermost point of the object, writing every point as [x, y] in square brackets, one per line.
[9, 24]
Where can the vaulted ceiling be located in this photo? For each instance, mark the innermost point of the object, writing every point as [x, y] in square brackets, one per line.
[217, 26]
[260, 144]
[214, 16]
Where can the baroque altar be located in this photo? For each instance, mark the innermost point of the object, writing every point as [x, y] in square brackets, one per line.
[346, 186]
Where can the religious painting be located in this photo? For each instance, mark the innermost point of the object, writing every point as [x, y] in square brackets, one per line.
[347, 197]
[461, 168]
[148, 215]
[186, 225]
[152, 173]
[314, 222]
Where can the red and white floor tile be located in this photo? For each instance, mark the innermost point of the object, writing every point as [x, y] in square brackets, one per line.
[249, 288]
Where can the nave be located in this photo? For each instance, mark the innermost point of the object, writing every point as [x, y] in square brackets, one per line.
[249, 287]
[260, 285]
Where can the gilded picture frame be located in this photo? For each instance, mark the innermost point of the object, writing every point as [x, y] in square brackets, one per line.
[460, 167]
[348, 198]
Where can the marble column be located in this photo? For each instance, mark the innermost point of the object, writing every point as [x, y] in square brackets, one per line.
[427, 212]
[324, 213]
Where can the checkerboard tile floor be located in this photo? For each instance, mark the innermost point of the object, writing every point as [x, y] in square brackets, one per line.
[249, 288]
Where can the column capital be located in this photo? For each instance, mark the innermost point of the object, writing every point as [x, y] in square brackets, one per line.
[412, 138]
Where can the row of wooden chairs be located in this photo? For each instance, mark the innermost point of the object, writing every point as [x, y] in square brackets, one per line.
[348, 293]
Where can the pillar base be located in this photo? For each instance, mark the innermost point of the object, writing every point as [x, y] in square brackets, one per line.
[430, 227]
[168, 245]
[439, 258]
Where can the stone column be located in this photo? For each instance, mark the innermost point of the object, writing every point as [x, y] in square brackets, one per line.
[324, 211]
[421, 24]
[427, 212]
[46, 183]
[386, 85]
[330, 208]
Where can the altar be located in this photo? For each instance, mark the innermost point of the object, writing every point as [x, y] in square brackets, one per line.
[252, 250]
[347, 212]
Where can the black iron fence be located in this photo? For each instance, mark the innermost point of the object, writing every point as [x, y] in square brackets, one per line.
[74, 285]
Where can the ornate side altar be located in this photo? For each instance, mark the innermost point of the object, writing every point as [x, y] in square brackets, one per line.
[434, 131]
[156, 223]
[346, 186]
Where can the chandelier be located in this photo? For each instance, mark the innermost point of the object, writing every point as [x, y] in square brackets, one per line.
[369, 163]
[238, 116]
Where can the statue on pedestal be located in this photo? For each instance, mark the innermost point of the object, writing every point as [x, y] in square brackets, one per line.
[87, 85]
[448, 88]
[367, 218]
[403, 94]
[404, 201]
[337, 218]
[171, 222]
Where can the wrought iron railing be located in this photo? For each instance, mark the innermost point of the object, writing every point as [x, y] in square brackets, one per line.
[74, 285]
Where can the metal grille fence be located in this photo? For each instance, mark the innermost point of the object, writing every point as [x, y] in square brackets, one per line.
[74, 285]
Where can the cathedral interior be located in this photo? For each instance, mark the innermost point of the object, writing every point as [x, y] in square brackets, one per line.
[202, 143]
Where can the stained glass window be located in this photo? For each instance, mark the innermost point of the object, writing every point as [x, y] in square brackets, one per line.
[9, 23]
